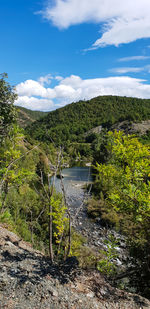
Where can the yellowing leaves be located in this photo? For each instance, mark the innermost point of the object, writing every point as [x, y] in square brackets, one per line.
[59, 216]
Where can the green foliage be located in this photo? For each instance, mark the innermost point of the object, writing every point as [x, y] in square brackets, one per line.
[145, 139]
[86, 256]
[11, 171]
[107, 265]
[24, 206]
[99, 147]
[79, 151]
[59, 216]
[7, 218]
[125, 179]
[27, 117]
[124, 182]
[94, 207]
[7, 110]
[23, 230]
[72, 121]
[35, 115]
[25, 191]
[77, 242]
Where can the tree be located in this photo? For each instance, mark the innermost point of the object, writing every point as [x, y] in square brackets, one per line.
[11, 170]
[125, 179]
[28, 205]
[124, 184]
[10, 139]
[55, 206]
[7, 110]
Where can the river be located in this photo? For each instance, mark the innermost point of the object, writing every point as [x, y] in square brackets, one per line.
[74, 179]
[94, 231]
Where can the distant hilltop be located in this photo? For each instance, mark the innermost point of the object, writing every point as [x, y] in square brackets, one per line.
[73, 121]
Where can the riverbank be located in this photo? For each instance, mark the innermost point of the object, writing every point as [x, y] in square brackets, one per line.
[92, 236]
[96, 233]
[76, 180]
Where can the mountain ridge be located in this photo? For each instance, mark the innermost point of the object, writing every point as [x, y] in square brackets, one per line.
[27, 116]
[73, 120]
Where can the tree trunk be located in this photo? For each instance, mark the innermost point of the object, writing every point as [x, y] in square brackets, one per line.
[50, 233]
[69, 240]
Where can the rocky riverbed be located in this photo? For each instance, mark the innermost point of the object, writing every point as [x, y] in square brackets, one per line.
[96, 232]
[75, 180]
[29, 281]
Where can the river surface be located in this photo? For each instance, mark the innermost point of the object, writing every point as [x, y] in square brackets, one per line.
[74, 179]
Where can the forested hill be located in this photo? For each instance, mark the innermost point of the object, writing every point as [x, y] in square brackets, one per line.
[73, 120]
[27, 116]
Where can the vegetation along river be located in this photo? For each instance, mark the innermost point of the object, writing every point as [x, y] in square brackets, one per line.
[96, 233]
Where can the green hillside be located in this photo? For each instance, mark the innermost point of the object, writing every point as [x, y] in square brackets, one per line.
[72, 121]
[27, 116]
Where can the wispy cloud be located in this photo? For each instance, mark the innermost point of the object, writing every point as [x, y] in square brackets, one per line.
[125, 70]
[31, 94]
[120, 21]
[133, 58]
[45, 79]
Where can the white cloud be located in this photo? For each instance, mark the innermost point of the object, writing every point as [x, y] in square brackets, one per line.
[35, 103]
[64, 91]
[147, 68]
[123, 86]
[45, 79]
[71, 89]
[58, 77]
[122, 21]
[33, 88]
[125, 70]
[132, 58]
[74, 80]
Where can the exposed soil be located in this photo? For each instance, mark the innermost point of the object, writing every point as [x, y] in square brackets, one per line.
[29, 281]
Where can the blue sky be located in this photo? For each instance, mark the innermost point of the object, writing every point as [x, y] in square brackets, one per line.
[59, 51]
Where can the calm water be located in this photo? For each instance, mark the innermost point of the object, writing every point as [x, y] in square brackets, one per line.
[74, 178]
[77, 174]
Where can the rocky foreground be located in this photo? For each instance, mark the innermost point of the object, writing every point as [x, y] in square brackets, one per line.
[28, 280]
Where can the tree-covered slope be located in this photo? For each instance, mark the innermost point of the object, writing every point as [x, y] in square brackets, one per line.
[27, 116]
[73, 120]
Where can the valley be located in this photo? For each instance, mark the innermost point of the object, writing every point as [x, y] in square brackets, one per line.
[75, 183]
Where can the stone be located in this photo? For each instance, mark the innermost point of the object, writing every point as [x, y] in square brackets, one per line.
[90, 294]
[53, 292]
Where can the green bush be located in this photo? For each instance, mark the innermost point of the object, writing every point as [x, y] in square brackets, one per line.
[107, 264]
